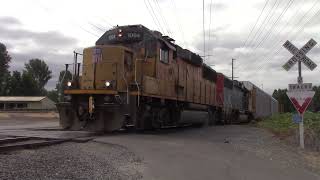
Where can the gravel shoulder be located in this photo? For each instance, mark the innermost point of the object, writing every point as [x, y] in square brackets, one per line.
[71, 161]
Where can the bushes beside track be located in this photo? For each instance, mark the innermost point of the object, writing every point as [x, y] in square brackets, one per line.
[283, 126]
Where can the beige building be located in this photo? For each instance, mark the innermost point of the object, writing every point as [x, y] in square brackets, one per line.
[26, 102]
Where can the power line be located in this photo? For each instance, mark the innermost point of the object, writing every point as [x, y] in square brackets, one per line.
[300, 20]
[164, 21]
[107, 22]
[152, 14]
[48, 11]
[89, 32]
[286, 25]
[296, 33]
[271, 11]
[273, 49]
[266, 24]
[277, 20]
[104, 24]
[267, 35]
[265, 5]
[178, 22]
[273, 25]
[97, 27]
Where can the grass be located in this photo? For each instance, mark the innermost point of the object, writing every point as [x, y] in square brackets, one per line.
[282, 124]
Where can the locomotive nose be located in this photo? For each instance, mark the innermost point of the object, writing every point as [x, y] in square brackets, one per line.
[107, 68]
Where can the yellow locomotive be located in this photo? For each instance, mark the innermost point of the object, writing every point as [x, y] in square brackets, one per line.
[137, 77]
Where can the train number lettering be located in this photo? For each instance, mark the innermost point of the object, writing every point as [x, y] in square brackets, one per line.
[133, 35]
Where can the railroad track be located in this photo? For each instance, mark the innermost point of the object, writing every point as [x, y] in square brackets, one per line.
[16, 143]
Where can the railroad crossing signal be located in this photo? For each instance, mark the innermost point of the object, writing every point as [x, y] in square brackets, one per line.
[299, 55]
[300, 94]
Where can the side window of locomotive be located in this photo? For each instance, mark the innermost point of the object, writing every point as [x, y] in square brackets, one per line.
[164, 55]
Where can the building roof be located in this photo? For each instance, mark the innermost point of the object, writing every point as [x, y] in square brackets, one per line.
[21, 98]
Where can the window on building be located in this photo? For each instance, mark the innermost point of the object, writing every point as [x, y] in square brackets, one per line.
[164, 55]
[22, 105]
[11, 105]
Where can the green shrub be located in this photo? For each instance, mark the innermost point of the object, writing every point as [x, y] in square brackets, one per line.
[282, 123]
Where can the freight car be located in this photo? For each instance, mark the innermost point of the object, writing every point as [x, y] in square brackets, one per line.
[260, 103]
[137, 77]
[233, 97]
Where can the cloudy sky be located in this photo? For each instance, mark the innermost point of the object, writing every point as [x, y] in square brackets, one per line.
[51, 30]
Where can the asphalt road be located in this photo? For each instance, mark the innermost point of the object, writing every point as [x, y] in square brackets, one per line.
[223, 152]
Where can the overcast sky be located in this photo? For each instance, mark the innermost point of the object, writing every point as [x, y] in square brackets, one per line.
[51, 30]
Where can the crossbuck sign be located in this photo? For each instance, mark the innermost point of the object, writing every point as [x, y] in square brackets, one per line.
[300, 94]
[300, 55]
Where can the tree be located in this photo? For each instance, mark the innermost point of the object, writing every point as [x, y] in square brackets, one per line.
[284, 102]
[53, 95]
[315, 106]
[39, 71]
[5, 84]
[5, 59]
[29, 85]
[16, 84]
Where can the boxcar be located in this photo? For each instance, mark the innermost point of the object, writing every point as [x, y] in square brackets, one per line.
[261, 104]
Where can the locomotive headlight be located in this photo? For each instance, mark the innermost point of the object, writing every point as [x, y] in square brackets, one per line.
[108, 83]
[69, 83]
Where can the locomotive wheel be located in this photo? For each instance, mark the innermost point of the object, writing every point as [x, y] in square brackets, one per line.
[225, 118]
[144, 118]
[156, 119]
[175, 114]
[212, 117]
[164, 115]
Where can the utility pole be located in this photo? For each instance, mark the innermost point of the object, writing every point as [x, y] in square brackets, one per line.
[232, 69]
[204, 33]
